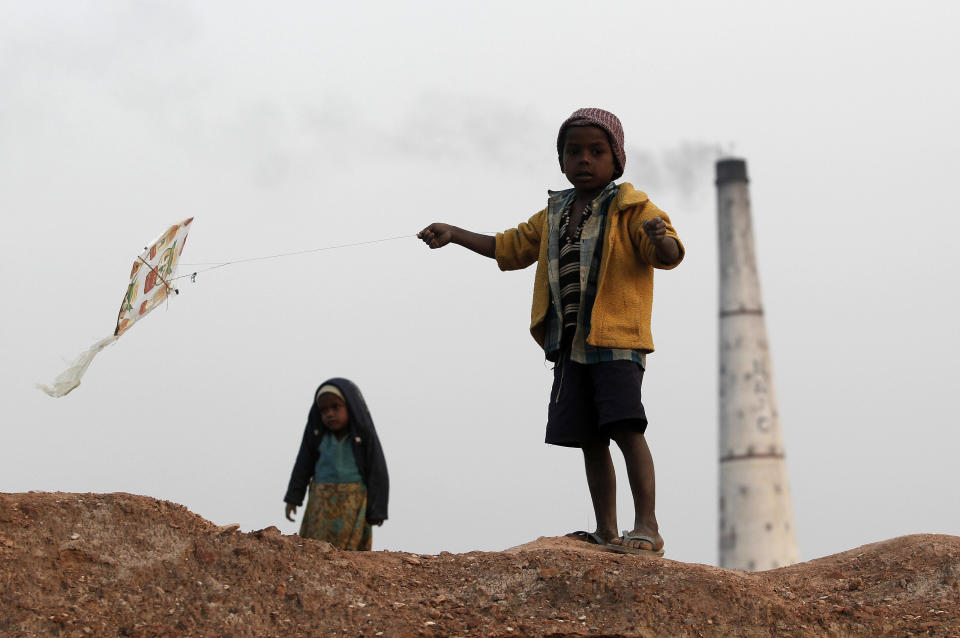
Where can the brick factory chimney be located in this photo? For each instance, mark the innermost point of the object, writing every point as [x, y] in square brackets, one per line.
[756, 516]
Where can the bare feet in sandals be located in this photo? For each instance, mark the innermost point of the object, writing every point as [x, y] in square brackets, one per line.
[638, 542]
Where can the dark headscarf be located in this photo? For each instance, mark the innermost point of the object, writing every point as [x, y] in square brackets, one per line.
[366, 450]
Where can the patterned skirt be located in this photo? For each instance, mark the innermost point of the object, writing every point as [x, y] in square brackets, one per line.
[337, 513]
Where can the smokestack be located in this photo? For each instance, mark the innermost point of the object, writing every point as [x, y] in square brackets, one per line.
[756, 517]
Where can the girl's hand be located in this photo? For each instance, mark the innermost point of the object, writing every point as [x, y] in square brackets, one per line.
[436, 235]
[378, 522]
[291, 510]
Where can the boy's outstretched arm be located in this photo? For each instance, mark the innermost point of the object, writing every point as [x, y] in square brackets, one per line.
[438, 235]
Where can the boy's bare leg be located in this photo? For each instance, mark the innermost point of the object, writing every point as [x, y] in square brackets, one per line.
[602, 482]
[640, 472]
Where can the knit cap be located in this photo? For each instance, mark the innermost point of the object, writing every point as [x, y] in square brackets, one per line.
[601, 119]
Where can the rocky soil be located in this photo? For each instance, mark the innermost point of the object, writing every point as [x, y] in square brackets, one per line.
[118, 564]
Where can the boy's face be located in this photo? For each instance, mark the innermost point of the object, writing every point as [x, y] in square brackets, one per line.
[333, 411]
[587, 159]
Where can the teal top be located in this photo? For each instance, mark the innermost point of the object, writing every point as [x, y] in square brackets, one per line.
[336, 463]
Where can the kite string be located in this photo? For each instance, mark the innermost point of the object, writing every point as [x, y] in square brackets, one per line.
[216, 265]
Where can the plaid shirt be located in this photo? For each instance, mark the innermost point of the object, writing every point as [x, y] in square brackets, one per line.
[591, 249]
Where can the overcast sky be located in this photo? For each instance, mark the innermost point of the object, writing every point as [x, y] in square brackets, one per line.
[288, 126]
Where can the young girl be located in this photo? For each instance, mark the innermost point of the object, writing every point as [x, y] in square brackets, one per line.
[595, 246]
[341, 460]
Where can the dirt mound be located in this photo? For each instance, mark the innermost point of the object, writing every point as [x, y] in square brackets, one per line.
[118, 564]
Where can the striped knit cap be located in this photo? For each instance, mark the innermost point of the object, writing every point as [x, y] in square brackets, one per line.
[601, 119]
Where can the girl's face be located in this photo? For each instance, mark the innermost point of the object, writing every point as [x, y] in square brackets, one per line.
[333, 411]
[587, 159]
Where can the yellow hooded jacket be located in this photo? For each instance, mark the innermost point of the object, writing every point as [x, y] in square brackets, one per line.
[624, 302]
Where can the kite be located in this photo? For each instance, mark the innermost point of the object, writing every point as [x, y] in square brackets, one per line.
[150, 284]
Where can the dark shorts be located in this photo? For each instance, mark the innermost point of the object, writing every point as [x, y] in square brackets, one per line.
[587, 399]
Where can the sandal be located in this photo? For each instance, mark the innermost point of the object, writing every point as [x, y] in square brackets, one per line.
[627, 536]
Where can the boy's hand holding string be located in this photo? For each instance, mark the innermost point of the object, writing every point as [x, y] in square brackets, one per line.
[439, 235]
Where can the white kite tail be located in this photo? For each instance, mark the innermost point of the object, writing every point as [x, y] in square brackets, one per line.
[70, 378]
